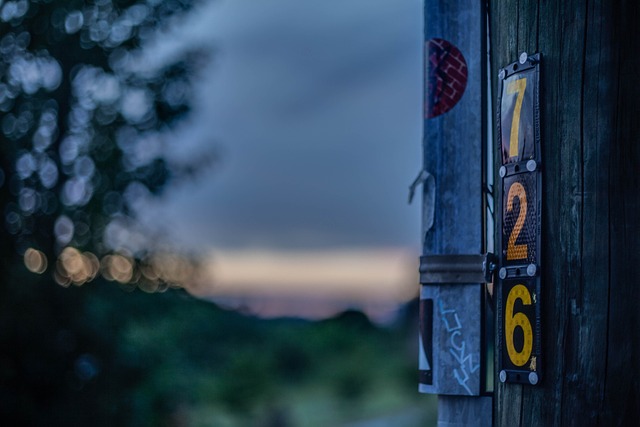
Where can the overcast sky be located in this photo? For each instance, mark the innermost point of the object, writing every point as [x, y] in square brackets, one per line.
[316, 110]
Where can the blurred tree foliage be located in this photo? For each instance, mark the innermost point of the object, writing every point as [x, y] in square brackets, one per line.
[82, 120]
[81, 128]
[96, 355]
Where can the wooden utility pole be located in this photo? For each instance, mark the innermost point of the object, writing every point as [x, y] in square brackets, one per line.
[590, 163]
[453, 353]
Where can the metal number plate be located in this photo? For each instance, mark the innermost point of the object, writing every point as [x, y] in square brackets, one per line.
[519, 224]
[520, 331]
[520, 219]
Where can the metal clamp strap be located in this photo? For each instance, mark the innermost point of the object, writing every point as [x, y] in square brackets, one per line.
[440, 269]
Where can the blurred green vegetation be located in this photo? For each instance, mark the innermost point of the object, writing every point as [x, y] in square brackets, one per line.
[73, 165]
[169, 359]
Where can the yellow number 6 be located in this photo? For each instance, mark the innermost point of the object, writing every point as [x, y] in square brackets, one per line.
[513, 321]
[516, 86]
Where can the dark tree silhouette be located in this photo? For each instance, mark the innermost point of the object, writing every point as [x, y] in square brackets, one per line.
[82, 142]
[82, 121]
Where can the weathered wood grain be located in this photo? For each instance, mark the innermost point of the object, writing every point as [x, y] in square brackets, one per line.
[452, 150]
[622, 390]
[591, 226]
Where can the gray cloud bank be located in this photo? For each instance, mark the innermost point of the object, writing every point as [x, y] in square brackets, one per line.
[316, 107]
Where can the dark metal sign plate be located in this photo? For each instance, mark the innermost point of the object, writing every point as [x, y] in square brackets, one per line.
[426, 342]
[519, 331]
[519, 222]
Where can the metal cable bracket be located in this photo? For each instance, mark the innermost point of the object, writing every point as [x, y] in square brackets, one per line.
[450, 269]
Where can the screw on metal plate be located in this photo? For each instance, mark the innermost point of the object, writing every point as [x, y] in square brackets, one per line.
[502, 74]
[503, 376]
[503, 171]
[532, 165]
[533, 378]
[523, 57]
[502, 273]
[532, 269]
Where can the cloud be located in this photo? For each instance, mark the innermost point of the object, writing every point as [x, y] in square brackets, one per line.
[316, 108]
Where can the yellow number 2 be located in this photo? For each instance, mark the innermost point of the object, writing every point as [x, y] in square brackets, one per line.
[516, 86]
[513, 321]
[517, 251]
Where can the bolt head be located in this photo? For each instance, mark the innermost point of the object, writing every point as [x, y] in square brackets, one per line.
[523, 57]
[533, 378]
[532, 270]
[502, 273]
[503, 376]
[503, 171]
[502, 74]
[532, 165]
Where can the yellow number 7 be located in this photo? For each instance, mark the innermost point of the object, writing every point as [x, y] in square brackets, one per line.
[516, 86]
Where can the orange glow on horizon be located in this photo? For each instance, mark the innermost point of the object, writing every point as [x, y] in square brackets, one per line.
[361, 274]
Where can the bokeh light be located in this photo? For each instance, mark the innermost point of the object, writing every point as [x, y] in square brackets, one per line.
[35, 261]
[76, 267]
[117, 268]
[63, 229]
[171, 268]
